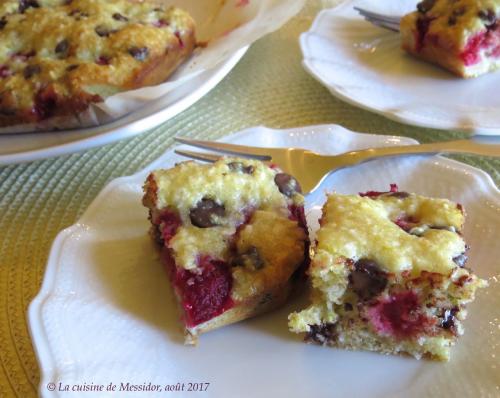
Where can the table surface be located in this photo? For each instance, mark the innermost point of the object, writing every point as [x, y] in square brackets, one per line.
[268, 87]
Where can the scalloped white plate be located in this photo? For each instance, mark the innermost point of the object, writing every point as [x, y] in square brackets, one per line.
[364, 65]
[18, 148]
[105, 313]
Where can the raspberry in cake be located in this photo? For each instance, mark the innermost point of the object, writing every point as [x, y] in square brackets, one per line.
[389, 275]
[59, 56]
[460, 35]
[233, 237]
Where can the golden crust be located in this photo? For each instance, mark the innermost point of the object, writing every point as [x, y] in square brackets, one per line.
[58, 57]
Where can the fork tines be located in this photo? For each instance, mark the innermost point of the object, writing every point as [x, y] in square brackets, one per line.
[384, 21]
[232, 149]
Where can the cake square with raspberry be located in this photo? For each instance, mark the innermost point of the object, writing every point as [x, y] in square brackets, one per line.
[57, 57]
[388, 275]
[462, 36]
[233, 237]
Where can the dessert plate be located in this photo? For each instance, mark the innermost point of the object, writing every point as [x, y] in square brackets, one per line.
[105, 315]
[365, 66]
[18, 148]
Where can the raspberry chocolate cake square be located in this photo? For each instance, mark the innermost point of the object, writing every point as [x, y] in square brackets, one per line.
[460, 35]
[389, 275]
[233, 237]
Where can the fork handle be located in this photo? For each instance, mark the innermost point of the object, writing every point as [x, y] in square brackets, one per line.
[459, 146]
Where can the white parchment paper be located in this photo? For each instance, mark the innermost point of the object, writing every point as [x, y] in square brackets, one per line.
[224, 25]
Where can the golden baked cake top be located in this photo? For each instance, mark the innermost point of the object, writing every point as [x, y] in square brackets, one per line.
[211, 201]
[400, 231]
[65, 54]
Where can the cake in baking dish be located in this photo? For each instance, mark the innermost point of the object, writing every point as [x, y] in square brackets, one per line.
[233, 237]
[460, 35]
[59, 56]
[389, 275]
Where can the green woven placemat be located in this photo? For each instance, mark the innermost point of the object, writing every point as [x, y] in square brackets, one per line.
[37, 200]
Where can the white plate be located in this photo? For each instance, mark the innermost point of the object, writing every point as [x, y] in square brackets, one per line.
[364, 65]
[20, 148]
[105, 313]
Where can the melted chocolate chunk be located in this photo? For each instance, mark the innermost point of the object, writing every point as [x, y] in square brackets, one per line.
[206, 213]
[461, 260]
[139, 53]
[62, 47]
[348, 307]
[488, 16]
[322, 334]
[31, 70]
[251, 258]
[102, 31]
[78, 14]
[367, 279]
[425, 5]
[448, 321]
[3, 22]
[25, 4]
[71, 67]
[119, 17]
[287, 185]
[239, 167]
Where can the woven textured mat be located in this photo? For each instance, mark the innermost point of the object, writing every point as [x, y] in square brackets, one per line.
[37, 200]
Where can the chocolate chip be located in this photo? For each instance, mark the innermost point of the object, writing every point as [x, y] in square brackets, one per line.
[102, 31]
[425, 5]
[367, 279]
[348, 307]
[206, 213]
[239, 167]
[3, 22]
[452, 20]
[461, 260]
[31, 70]
[448, 316]
[488, 16]
[78, 14]
[139, 53]
[25, 4]
[62, 47]
[287, 185]
[250, 259]
[119, 17]
[322, 334]
[71, 67]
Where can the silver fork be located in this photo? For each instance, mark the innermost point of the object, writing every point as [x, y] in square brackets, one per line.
[311, 168]
[381, 20]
